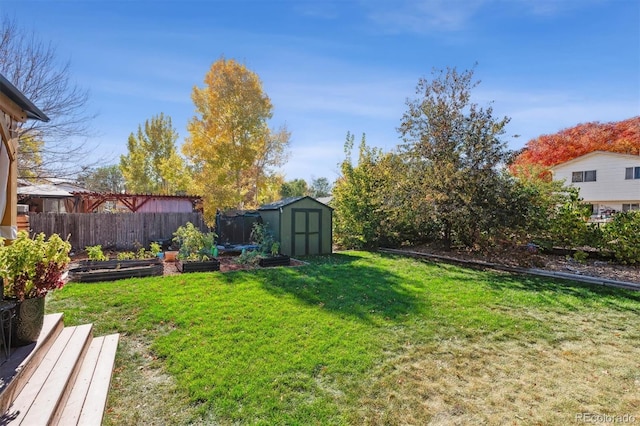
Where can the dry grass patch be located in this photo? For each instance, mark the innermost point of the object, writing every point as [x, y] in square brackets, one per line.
[593, 367]
[142, 393]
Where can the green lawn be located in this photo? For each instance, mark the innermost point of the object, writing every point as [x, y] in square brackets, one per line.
[362, 338]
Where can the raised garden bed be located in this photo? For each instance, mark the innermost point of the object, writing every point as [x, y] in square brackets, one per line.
[89, 271]
[280, 260]
[198, 266]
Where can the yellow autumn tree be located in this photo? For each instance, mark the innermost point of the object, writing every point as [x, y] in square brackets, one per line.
[232, 149]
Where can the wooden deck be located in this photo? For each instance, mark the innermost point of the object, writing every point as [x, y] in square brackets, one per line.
[49, 382]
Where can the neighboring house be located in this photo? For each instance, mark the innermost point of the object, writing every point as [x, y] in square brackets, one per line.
[60, 196]
[610, 182]
[45, 198]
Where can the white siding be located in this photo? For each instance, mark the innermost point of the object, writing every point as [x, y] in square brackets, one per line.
[610, 188]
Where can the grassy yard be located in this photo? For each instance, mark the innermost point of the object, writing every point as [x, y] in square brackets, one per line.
[362, 338]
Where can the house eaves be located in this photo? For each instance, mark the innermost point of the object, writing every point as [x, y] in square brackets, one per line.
[10, 91]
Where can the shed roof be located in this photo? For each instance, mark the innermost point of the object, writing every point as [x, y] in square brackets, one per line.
[286, 201]
[16, 96]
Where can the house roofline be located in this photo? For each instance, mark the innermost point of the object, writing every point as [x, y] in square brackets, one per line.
[18, 98]
[594, 153]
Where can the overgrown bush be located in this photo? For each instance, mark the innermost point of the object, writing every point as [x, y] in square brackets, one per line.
[194, 244]
[622, 237]
[568, 226]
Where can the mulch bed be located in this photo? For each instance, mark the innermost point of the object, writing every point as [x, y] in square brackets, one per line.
[521, 258]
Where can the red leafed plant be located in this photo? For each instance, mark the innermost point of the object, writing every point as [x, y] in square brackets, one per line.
[548, 150]
[32, 267]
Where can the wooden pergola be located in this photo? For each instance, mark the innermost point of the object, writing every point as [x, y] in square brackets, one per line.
[14, 108]
[92, 200]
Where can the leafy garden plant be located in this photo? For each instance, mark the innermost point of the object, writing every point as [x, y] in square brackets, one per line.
[141, 253]
[262, 236]
[195, 245]
[31, 268]
[95, 253]
[248, 257]
[275, 248]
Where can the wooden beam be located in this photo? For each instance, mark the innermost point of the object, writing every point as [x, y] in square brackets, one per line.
[9, 220]
[8, 106]
[94, 204]
[8, 138]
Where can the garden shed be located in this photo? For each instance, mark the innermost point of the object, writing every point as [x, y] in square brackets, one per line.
[302, 225]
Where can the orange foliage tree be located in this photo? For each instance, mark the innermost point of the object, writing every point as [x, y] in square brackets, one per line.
[548, 150]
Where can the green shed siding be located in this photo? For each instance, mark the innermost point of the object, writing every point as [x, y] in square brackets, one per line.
[272, 219]
[303, 226]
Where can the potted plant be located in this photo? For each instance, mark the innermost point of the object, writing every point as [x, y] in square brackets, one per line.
[129, 264]
[269, 249]
[198, 251]
[31, 268]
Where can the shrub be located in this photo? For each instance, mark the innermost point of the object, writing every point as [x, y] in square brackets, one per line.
[580, 256]
[569, 226]
[622, 236]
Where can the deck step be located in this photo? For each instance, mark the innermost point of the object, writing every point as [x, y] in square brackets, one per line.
[62, 379]
[88, 398]
[51, 382]
[17, 370]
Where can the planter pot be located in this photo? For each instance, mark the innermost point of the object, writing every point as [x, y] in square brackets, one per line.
[280, 260]
[110, 270]
[27, 323]
[170, 256]
[197, 266]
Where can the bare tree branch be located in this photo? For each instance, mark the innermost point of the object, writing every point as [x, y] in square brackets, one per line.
[33, 67]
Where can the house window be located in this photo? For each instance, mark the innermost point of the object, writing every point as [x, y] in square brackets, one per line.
[632, 173]
[587, 176]
[630, 207]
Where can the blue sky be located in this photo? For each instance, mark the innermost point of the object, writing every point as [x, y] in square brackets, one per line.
[345, 65]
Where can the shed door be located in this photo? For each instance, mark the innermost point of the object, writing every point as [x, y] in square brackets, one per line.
[306, 232]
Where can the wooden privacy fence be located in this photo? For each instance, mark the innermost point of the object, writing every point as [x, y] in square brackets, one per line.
[119, 231]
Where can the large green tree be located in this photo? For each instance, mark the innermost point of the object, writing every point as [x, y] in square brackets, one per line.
[152, 164]
[320, 187]
[294, 188]
[234, 152]
[459, 143]
[103, 179]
